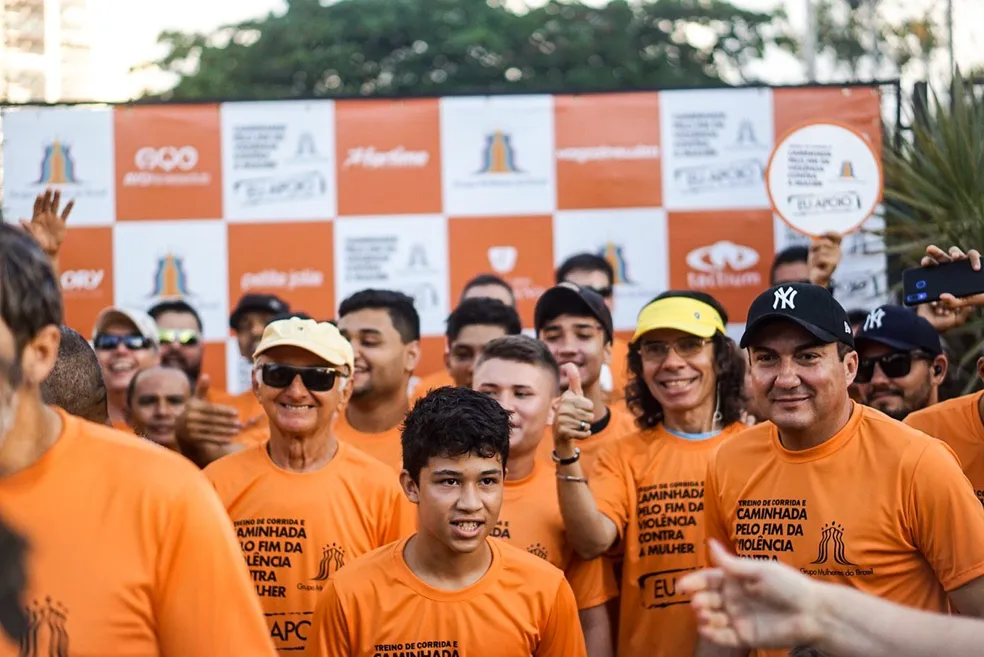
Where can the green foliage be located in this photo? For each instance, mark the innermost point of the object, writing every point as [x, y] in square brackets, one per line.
[429, 47]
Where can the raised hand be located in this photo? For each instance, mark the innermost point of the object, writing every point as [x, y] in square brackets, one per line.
[48, 226]
[573, 412]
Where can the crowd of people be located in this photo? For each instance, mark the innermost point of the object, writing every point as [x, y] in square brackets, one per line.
[564, 493]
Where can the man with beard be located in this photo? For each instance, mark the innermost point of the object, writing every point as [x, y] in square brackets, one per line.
[129, 550]
[157, 397]
[126, 341]
[384, 329]
[901, 362]
[179, 328]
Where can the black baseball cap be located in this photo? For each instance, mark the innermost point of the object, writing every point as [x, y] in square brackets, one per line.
[570, 299]
[260, 303]
[809, 306]
[901, 329]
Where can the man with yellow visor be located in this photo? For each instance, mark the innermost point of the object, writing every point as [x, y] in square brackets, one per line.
[645, 497]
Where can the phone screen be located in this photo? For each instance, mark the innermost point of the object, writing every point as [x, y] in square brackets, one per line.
[926, 284]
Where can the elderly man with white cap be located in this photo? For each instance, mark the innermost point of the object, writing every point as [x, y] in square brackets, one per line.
[126, 341]
[304, 504]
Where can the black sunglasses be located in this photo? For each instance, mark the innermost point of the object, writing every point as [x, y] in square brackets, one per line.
[315, 379]
[894, 366]
[105, 342]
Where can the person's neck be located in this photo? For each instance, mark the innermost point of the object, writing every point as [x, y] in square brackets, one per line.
[35, 429]
[521, 465]
[699, 419]
[827, 426]
[597, 397]
[377, 414]
[296, 453]
[440, 567]
[116, 406]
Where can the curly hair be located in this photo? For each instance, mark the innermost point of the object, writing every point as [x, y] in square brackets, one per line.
[729, 368]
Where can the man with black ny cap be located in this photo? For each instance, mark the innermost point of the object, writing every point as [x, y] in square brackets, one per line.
[576, 325]
[213, 426]
[901, 361]
[835, 489]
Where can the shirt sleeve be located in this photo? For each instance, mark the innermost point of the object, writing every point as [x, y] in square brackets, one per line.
[715, 525]
[611, 486]
[205, 602]
[941, 506]
[562, 635]
[329, 629]
[593, 582]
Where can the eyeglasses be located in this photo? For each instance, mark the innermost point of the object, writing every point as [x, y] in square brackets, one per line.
[187, 337]
[315, 379]
[105, 342]
[687, 347]
[893, 366]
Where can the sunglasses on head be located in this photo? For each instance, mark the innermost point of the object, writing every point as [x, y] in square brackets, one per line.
[893, 366]
[187, 337]
[315, 379]
[132, 342]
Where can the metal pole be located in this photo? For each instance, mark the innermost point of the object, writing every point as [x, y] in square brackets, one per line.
[810, 42]
[949, 38]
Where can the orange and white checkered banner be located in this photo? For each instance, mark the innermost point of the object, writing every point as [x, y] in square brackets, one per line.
[314, 200]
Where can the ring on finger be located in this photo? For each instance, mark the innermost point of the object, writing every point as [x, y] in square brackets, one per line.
[584, 425]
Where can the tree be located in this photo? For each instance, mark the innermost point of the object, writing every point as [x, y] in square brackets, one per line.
[410, 47]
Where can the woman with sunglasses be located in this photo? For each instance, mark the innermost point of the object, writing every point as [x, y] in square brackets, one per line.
[304, 504]
[125, 342]
[646, 491]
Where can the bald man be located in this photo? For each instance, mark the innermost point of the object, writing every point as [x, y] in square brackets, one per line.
[154, 400]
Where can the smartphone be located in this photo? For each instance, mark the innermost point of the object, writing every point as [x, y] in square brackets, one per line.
[926, 284]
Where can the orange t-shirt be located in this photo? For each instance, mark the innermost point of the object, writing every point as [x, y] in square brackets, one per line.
[620, 423]
[530, 519]
[251, 414]
[619, 366]
[119, 425]
[384, 446]
[297, 529]
[879, 507]
[957, 422]
[651, 485]
[130, 552]
[378, 608]
[430, 382]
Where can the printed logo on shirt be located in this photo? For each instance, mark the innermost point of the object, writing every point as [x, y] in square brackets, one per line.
[332, 559]
[417, 649]
[832, 555]
[46, 634]
[658, 589]
[539, 551]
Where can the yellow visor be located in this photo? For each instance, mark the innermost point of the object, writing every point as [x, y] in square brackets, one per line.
[679, 313]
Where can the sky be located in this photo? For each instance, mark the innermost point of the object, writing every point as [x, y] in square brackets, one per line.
[117, 50]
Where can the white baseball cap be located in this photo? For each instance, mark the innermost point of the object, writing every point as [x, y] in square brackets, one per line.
[141, 321]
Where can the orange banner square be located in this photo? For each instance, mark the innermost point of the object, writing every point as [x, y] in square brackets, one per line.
[519, 249]
[431, 355]
[857, 107]
[726, 254]
[168, 162]
[293, 260]
[214, 364]
[608, 151]
[86, 263]
[388, 156]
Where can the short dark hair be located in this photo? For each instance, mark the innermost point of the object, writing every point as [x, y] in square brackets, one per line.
[30, 298]
[521, 349]
[788, 256]
[804, 651]
[729, 367]
[451, 422]
[399, 306]
[489, 279]
[131, 389]
[857, 316]
[175, 306]
[585, 262]
[76, 384]
[484, 312]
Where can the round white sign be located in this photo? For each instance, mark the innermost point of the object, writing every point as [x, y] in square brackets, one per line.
[824, 178]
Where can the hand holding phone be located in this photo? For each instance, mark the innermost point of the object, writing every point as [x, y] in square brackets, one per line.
[953, 278]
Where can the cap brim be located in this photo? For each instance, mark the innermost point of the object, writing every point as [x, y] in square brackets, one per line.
[693, 328]
[325, 355]
[559, 301]
[823, 335]
[898, 345]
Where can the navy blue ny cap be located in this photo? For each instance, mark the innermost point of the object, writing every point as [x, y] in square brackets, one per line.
[809, 306]
[901, 329]
[569, 298]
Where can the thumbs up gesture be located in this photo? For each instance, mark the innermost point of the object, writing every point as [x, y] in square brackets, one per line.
[573, 412]
[205, 422]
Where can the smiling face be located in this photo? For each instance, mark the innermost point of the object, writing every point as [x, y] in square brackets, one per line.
[383, 362]
[294, 409]
[526, 391]
[579, 340]
[678, 369]
[121, 362]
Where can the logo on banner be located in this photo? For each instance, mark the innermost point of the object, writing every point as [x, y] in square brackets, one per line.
[847, 171]
[728, 175]
[166, 166]
[746, 136]
[585, 154]
[503, 258]
[498, 156]
[298, 187]
[368, 157]
[723, 264]
[170, 280]
[614, 254]
[57, 165]
[82, 280]
[279, 279]
[307, 148]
